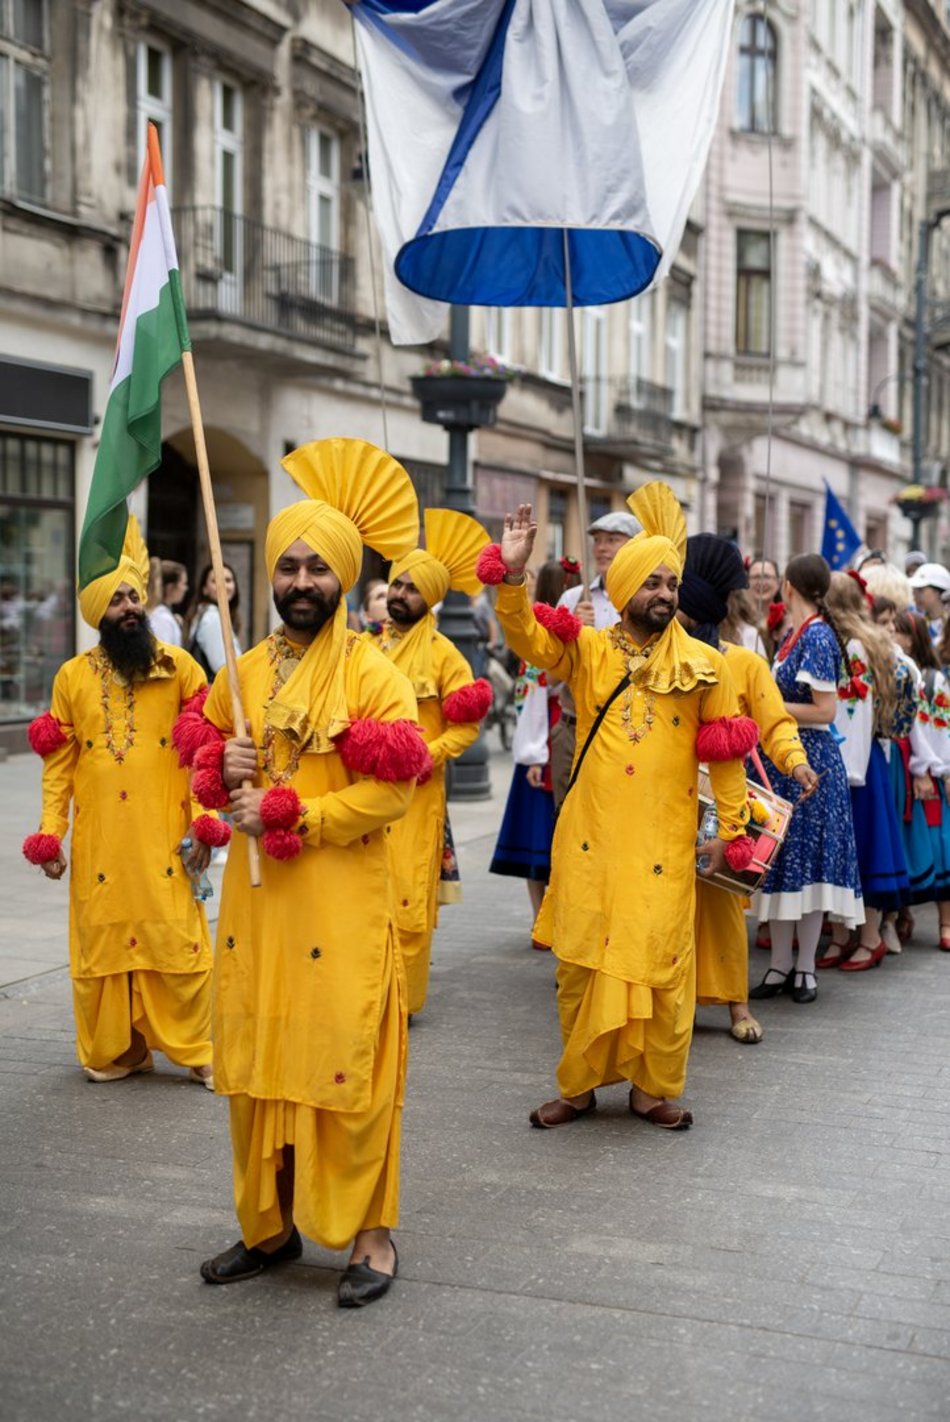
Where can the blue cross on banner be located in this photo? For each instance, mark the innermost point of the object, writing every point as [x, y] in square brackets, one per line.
[840, 540]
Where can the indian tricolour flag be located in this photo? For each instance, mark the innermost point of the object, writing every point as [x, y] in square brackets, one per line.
[153, 332]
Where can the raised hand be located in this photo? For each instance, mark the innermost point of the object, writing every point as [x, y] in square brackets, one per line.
[517, 540]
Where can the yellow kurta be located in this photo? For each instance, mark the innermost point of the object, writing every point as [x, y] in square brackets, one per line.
[619, 909]
[416, 841]
[722, 950]
[309, 1002]
[131, 907]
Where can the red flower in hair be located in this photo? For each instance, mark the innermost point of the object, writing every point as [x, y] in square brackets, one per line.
[775, 616]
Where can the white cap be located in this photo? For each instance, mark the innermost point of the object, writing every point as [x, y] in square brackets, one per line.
[616, 522]
[931, 575]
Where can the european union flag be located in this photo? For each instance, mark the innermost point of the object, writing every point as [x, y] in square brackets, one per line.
[841, 540]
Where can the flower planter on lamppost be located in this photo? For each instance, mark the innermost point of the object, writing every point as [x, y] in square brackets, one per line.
[462, 394]
[918, 503]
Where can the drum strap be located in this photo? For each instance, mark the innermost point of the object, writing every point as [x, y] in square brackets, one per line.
[759, 768]
[618, 689]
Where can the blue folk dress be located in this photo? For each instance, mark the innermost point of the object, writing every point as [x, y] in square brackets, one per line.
[817, 867]
[909, 757]
[523, 849]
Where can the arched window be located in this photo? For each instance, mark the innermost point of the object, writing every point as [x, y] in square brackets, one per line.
[757, 88]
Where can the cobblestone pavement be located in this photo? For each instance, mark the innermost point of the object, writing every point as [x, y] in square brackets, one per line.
[787, 1258]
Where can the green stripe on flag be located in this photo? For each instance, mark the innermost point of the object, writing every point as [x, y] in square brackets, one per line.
[130, 445]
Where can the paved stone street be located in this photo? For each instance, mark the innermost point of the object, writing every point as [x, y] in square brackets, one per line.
[788, 1258]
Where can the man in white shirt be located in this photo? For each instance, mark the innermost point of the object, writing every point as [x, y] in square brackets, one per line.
[930, 583]
[609, 533]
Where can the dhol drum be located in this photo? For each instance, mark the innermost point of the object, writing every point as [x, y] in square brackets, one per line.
[769, 819]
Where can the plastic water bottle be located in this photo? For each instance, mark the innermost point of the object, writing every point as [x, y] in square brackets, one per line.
[201, 885]
[708, 829]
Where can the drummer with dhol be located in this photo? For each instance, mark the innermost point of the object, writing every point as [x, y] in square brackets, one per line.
[651, 704]
[714, 568]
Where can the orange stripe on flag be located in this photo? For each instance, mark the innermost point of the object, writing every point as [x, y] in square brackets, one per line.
[155, 157]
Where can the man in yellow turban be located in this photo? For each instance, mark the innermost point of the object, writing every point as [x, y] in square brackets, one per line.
[451, 705]
[309, 994]
[651, 703]
[139, 952]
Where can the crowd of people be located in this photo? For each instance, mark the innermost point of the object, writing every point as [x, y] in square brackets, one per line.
[638, 813]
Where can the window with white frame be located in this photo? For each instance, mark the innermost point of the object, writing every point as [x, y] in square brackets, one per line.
[229, 191]
[677, 327]
[594, 365]
[498, 332]
[640, 337]
[322, 174]
[753, 293]
[24, 80]
[154, 101]
[551, 343]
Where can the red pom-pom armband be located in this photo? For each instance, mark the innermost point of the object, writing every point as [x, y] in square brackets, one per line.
[281, 843]
[42, 848]
[469, 703]
[387, 750]
[280, 809]
[560, 621]
[191, 730]
[728, 738]
[490, 568]
[206, 829]
[207, 783]
[46, 734]
[740, 853]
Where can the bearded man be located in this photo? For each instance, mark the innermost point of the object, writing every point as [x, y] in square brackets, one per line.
[618, 913]
[450, 704]
[309, 994]
[139, 952]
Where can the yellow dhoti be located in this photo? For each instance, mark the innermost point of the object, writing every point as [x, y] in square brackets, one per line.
[345, 1164]
[172, 1011]
[416, 950]
[722, 946]
[618, 1031]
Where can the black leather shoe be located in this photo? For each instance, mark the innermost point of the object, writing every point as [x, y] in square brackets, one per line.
[782, 983]
[802, 992]
[239, 1262]
[362, 1284]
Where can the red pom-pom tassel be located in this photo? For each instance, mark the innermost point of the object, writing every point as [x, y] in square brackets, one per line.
[728, 738]
[209, 789]
[280, 808]
[558, 620]
[388, 750]
[740, 853]
[209, 756]
[41, 848]
[191, 730]
[281, 844]
[207, 830]
[469, 703]
[46, 734]
[490, 568]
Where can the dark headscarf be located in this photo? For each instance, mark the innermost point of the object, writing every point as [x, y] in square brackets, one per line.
[713, 569]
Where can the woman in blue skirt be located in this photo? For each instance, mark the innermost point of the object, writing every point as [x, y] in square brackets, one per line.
[816, 870]
[866, 725]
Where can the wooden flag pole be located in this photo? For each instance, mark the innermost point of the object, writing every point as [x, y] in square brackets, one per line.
[578, 420]
[217, 564]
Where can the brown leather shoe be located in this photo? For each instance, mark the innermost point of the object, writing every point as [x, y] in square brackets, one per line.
[665, 1115]
[560, 1113]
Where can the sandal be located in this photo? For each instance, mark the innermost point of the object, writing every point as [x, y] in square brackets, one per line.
[665, 1115]
[239, 1262]
[560, 1113]
[747, 1030]
[119, 1073]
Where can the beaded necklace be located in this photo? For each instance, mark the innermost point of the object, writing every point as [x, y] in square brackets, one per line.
[115, 715]
[634, 657]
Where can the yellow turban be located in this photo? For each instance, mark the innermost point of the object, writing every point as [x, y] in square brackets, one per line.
[662, 543]
[453, 543]
[356, 494]
[132, 568]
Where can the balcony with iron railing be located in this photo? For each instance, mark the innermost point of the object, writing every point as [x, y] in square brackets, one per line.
[238, 271]
[628, 410]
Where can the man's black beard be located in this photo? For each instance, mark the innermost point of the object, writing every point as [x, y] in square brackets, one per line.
[400, 614]
[653, 619]
[131, 650]
[311, 618]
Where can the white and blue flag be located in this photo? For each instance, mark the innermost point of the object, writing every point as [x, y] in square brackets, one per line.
[494, 125]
